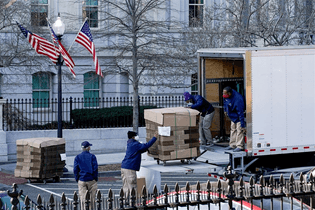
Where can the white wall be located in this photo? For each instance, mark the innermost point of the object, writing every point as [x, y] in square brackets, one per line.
[104, 140]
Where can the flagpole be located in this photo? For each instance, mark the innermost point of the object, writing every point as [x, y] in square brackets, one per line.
[77, 34]
[49, 25]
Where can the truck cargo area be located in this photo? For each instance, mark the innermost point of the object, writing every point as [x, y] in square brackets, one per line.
[278, 86]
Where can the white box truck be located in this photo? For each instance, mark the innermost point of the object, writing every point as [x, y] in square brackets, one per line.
[278, 85]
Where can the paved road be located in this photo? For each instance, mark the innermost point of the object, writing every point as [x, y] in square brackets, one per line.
[68, 185]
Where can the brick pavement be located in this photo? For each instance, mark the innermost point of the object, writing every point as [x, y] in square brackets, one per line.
[9, 179]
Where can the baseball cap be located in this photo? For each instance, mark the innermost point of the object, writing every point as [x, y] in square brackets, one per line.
[85, 144]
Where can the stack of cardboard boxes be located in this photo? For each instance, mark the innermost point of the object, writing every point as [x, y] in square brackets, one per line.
[40, 158]
[180, 139]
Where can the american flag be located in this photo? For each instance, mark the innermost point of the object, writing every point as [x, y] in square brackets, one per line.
[41, 45]
[66, 57]
[84, 38]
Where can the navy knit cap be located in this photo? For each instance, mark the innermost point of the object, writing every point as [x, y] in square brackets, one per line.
[187, 96]
[131, 134]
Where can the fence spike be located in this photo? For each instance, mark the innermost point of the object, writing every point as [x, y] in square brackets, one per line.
[311, 182]
[165, 188]
[241, 188]
[176, 193]
[63, 203]
[301, 183]
[187, 187]
[208, 186]
[291, 185]
[133, 197]
[98, 199]
[121, 198]
[165, 194]
[144, 195]
[26, 202]
[155, 195]
[198, 191]
[39, 202]
[271, 185]
[75, 201]
[51, 202]
[110, 199]
[251, 187]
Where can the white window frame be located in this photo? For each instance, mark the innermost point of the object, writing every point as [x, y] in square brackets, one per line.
[39, 90]
[99, 89]
[194, 83]
[196, 24]
[98, 13]
[40, 4]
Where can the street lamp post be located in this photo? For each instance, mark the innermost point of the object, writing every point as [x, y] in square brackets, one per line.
[59, 29]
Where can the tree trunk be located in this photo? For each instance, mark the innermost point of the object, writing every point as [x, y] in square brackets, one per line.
[135, 80]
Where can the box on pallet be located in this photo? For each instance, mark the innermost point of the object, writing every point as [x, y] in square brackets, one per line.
[39, 157]
[184, 133]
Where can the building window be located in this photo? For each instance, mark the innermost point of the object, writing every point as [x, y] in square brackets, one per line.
[91, 90]
[41, 83]
[90, 10]
[39, 12]
[194, 84]
[196, 13]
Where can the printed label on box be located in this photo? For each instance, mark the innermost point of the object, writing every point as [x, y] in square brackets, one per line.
[164, 131]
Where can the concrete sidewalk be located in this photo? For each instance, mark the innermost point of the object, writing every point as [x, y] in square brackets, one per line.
[212, 157]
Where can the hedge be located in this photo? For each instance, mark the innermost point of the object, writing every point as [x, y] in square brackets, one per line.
[107, 117]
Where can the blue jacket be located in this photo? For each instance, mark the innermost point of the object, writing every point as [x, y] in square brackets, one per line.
[202, 105]
[85, 167]
[132, 158]
[234, 107]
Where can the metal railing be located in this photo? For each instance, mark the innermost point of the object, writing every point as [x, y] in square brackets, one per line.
[30, 114]
[216, 195]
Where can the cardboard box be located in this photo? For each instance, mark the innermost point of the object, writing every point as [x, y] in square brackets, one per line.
[175, 116]
[39, 157]
[140, 184]
[185, 153]
[184, 132]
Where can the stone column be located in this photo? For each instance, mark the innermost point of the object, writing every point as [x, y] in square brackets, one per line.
[3, 136]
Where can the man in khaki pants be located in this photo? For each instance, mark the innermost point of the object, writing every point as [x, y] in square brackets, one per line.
[234, 109]
[86, 174]
[132, 161]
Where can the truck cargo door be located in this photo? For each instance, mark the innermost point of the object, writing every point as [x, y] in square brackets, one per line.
[220, 73]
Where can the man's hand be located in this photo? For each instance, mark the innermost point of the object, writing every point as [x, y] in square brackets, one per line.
[156, 134]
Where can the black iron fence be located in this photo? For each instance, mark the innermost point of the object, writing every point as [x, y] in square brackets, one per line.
[30, 114]
[280, 194]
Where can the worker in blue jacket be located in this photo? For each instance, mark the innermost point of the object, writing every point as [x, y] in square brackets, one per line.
[132, 161]
[234, 109]
[206, 116]
[85, 171]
